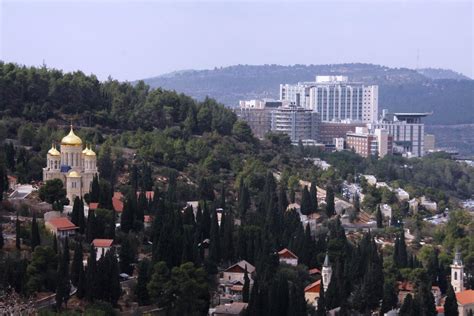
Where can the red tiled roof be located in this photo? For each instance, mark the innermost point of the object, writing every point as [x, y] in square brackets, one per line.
[440, 309]
[405, 286]
[287, 254]
[102, 243]
[149, 194]
[314, 271]
[62, 223]
[93, 206]
[314, 287]
[147, 219]
[465, 297]
[117, 202]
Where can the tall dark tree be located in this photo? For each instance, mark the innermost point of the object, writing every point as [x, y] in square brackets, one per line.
[244, 200]
[306, 207]
[91, 229]
[105, 194]
[2, 242]
[63, 286]
[95, 190]
[246, 288]
[17, 233]
[206, 222]
[214, 248]
[77, 266]
[279, 300]
[127, 256]
[450, 303]
[114, 289]
[390, 298]
[35, 235]
[379, 218]
[282, 200]
[128, 214]
[81, 284]
[222, 203]
[144, 274]
[77, 215]
[313, 192]
[321, 311]
[330, 206]
[3, 183]
[91, 287]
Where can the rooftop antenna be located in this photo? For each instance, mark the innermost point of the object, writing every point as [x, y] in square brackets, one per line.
[417, 59]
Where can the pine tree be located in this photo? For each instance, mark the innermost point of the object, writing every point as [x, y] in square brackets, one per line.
[114, 288]
[142, 206]
[35, 235]
[246, 288]
[279, 300]
[77, 265]
[442, 281]
[128, 214]
[424, 300]
[244, 200]
[141, 291]
[450, 303]
[17, 233]
[379, 217]
[282, 200]
[330, 206]
[403, 254]
[75, 211]
[306, 207]
[206, 222]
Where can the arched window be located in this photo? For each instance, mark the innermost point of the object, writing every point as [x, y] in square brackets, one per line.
[455, 275]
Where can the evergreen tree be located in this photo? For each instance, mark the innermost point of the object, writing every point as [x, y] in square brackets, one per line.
[450, 303]
[442, 279]
[91, 229]
[424, 301]
[379, 217]
[127, 256]
[95, 190]
[403, 254]
[105, 194]
[246, 288]
[55, 244]
[114, 289]
[356, 202]
[128, 214]
[2, 242]
[222, 203]
[63, 287]
[142, 206]
[141, 291]
[306, 207]
[81, 285]
[206, 222]
[244, 200]
[292, 195]
[91, 276]
[282, 200]
[3, 183]
[330, 206]
[17, 233]
[321, 311]
[407, 307]
[390, 298]
[35, 235]
[214, 248]
[313, 192]
[77, 266]
[226, 236]
[279, 300]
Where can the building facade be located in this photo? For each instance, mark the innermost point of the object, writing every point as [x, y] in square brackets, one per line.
[457, 273]
[328, 131]
[298, 123]
[334, 98]
[257, 114]
[407, 131]
[74, 165]
[366, 143]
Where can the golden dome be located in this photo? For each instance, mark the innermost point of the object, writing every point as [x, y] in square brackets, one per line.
[74, 174]
[53, 151]
[85, 150]
[90, 152]
[71, 139]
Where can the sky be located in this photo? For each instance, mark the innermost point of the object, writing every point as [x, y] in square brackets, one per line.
[131, 40]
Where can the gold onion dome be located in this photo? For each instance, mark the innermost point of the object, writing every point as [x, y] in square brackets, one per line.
[71, 139]
[53, 151]
[90, 152]
[74, 174]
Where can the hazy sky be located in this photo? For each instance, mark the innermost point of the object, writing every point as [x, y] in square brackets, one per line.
[132, 40]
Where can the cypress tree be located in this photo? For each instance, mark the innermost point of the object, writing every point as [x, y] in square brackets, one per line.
[63, 286]
[55, 244]
[206, 222]
[91, 227]
[246, 288]
[442, 281]
[17, 233]
[188, 216]
[142, 206]
[81, 218]
[128, 214]
[75, 211]
[2, 242]
[306, 207]
[244, 200]
[356, 203]
[91, 276]
[35, 235]
[390, 298]
[115, 289]
[105, 194]
[3, 187]
[330, 206]
[141, 291]
[77, 265]
[81, 285]
[222, 201]
[450, 303]
[424, 300]
[313, 192]
[95, 190]
[403, 254]
[379, 217]
[407, 307]
[282, 200]
[321, 311]
[214, 250]
[279, 300]
[127, 256]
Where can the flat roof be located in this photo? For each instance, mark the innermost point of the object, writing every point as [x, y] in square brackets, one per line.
[413, 114]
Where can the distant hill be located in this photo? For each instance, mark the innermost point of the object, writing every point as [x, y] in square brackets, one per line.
[436, 73]
[400, 89]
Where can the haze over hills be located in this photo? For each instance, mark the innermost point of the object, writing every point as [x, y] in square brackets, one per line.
[447, 94]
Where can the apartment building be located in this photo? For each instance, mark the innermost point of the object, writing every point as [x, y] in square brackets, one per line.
[365, 142]
[257, 114]
[334, 98]
[297, 122]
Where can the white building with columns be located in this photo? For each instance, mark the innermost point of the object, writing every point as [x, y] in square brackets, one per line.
[74, 165]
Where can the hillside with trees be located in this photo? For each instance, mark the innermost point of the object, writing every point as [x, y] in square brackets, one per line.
[449, 97]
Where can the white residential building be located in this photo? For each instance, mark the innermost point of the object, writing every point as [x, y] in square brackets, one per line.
[334, 98]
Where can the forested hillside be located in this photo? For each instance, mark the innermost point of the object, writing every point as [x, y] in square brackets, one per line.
[400, 89]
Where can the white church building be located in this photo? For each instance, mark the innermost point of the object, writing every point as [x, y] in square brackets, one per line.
[74, 165]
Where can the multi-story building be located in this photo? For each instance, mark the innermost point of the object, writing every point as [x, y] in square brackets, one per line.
[407, 131]
[334, 98]
[328, 131]
[366, 143]
[296, 122]
[257, 114]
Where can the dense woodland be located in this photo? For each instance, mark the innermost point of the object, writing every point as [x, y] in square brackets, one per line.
[185, 150]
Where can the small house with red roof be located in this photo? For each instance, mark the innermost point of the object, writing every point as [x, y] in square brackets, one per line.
[288, 257]
[147, 221]
[61, 227]
[102, 246]
[236, 272]
[311, 293]
[465, 302]
[117, 202]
